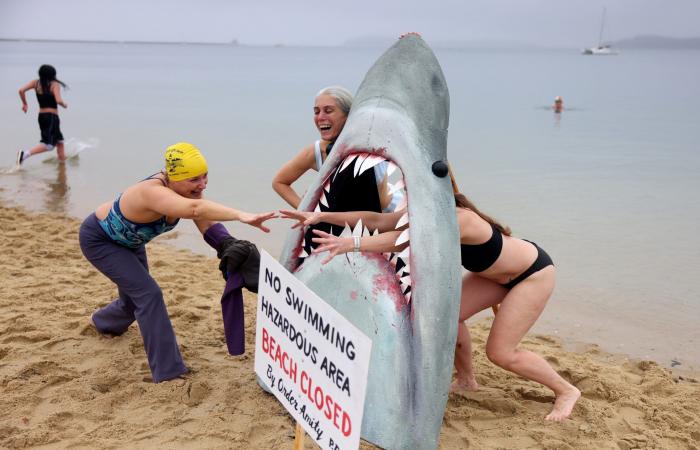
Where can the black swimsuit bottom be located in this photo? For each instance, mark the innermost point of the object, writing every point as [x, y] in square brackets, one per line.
[543, 260]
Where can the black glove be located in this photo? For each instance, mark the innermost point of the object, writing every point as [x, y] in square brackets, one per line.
[238, 255]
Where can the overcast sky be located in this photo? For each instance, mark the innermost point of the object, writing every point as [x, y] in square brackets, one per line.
[558, 23]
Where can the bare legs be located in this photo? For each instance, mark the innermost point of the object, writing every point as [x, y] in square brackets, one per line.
[520, 308]
[41, 148]
[61, 151]
[477, 294]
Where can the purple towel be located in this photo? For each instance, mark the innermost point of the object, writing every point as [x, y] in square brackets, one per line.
[231, 299]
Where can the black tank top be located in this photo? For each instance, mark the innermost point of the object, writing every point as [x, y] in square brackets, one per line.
[46, 99]
[479, 257]
[347, 193]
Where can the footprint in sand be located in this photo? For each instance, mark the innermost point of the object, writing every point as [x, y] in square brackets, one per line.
[536, 395]
[195, 393]
[136, 347]
[31, 338]
[499, 405]
[597, 389]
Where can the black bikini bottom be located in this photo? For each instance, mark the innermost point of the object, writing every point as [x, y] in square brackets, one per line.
[543, 260]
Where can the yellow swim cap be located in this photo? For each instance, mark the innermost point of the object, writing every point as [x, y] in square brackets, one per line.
[183, 161]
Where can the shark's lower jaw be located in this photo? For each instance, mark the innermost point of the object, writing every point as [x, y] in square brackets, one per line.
[391, 182]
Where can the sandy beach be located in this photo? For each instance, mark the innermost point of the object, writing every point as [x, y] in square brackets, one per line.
[63, 385]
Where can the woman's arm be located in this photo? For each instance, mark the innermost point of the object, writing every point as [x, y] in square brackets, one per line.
[384, 242]
[23, 97]
[372, 220]
[164, 201]
[204, 225]
[56, 91]
[292, 171]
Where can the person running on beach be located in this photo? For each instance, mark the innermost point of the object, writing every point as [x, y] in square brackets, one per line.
[113, 239]
[48, 94]
[505, 270]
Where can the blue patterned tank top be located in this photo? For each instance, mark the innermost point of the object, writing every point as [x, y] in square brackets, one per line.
[131, 234]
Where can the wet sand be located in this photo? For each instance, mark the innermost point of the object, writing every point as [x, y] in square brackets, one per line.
[62, 385]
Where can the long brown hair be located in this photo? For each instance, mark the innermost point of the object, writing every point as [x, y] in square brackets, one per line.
[462, 201]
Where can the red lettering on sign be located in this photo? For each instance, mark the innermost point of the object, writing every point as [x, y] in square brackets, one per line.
[325, 403]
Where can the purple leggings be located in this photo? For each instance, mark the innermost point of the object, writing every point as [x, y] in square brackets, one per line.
[140, 299]
[231, 299]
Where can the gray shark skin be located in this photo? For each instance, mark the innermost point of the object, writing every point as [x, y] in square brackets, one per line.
[401, 113]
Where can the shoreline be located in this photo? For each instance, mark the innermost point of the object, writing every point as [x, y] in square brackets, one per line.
[64, 385]
[568, 316]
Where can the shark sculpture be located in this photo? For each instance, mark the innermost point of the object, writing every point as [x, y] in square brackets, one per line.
[407, 303]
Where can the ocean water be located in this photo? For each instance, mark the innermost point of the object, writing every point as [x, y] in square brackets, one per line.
[609, 187]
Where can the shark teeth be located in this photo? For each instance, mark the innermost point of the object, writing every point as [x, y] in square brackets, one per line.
[358, 163]
[395, 187]
[357, 231]
[402, 204]
[347, 162]
[403, 237]
[370, 162]
[347, 232]
[400, 261]
[402, 221]
[391, 168]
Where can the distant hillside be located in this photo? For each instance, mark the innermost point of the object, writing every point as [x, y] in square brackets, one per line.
[386, 41]
[661, 42]
[370, 42]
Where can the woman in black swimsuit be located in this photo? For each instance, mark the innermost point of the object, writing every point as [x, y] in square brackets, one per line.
[48, 94]
[503, 269]
[518, 275]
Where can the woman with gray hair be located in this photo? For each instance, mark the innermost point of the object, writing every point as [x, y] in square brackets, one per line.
[331, 109]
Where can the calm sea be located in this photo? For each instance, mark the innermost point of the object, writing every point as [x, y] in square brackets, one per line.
[609, 188]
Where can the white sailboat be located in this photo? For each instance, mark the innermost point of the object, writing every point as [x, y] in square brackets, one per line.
[602, 48]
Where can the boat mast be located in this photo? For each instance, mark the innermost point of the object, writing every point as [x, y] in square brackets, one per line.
[602, 25]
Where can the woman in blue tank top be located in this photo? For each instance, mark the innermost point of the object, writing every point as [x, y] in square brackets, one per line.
[113, 239]
[48, 95]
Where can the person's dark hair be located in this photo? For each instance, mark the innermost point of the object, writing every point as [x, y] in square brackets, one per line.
[47, 74]
[462, 201]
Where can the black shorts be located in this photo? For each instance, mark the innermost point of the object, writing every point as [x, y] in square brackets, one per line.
[50, 126]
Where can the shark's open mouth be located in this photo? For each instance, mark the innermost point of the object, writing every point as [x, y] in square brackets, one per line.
[393, 198]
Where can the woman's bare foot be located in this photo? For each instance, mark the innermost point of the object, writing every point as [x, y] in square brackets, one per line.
[563, 405]
[469, 384]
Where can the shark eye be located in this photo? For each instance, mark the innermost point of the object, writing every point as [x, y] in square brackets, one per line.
[440, 169]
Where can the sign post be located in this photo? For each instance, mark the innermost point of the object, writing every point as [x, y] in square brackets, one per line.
[311, 358]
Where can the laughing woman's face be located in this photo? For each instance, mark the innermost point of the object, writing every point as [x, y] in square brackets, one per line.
[328, 117]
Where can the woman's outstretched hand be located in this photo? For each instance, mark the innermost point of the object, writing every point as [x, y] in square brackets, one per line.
[334, 245]
[257, 220]
[303, 218]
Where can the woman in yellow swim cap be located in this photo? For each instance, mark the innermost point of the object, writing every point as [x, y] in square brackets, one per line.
[113, 239]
